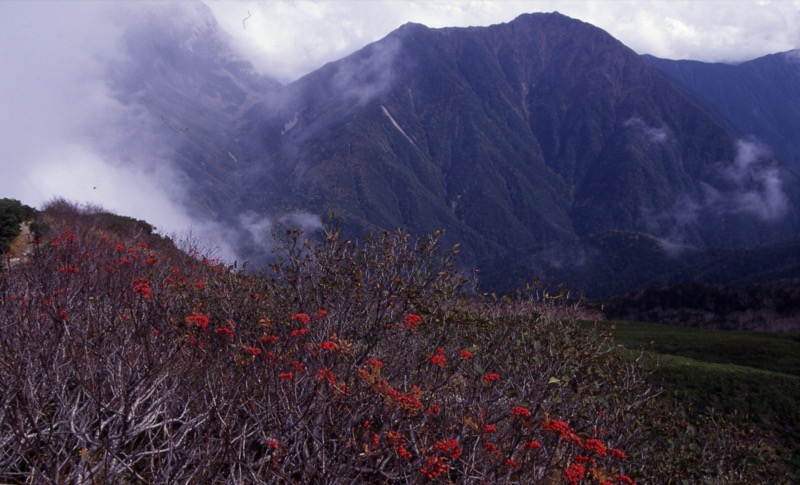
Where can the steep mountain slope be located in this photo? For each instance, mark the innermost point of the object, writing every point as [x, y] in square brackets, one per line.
[539, 130]
[760, 98]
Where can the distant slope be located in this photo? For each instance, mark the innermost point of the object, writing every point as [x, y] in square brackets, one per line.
[619, 262]
[179, 66]
[760, 97]
[715, 307]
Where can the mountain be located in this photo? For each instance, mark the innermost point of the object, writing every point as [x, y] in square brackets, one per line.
[510, 136]
[759, 98]
[541, 133]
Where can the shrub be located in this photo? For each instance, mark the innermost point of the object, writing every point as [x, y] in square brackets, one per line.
[368, 361]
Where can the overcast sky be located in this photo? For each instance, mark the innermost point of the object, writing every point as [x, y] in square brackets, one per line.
[290, 38]
[63, 133]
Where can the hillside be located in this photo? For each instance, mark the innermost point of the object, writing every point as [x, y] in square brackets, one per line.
[612, 263]
[766, 309]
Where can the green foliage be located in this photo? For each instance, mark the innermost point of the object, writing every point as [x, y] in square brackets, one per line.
[777, 352]
[358, 362]
[12, 214]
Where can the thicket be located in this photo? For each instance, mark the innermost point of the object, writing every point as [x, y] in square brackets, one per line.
[123, 360]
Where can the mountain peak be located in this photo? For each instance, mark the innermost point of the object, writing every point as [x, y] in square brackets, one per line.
[412, 27]
[545, 15]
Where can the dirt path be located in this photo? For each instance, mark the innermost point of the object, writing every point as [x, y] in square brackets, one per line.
[20, 247]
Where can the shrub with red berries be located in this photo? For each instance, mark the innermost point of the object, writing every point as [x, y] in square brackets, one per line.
[126, 360]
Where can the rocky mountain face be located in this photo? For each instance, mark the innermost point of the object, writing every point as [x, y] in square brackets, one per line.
[519, 137]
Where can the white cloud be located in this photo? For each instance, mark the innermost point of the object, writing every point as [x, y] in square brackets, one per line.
[363, 79]
[258, 228]
[758, 185]
[653, 134]
[751, 184]
[63, 132]
[793, 56]
[290, 38]
[303, 220]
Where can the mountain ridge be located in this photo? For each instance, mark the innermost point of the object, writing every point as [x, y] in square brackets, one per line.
[512, 136]
[409, 116]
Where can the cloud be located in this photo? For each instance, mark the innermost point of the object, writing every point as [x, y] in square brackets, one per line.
[654, 135]
[287, 39]
[674, 226]
[313, 105]
[673, 249]
[257, 229]
[731, 31]
[751, 184]
[290, 38]
[302, 220]
[254, 232]
[363, 78]
[64, 131]
[757, 186]
[561, 257]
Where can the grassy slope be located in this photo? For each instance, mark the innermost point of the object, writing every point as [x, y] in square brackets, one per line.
[779, 352]
[756, 375]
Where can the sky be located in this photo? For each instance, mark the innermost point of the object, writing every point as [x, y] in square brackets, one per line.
[289, 38]
[63, 133]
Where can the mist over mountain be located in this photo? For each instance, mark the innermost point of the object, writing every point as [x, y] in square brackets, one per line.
[538, 133]
[179, 67]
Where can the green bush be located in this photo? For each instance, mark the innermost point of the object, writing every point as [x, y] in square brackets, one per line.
[12, 214]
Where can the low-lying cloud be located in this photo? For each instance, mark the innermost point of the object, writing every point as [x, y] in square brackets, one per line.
[652, 134]
[67, 133]
[254, 232]
[793, 55]
[750, 185]
[362, 78]
[758, 189]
